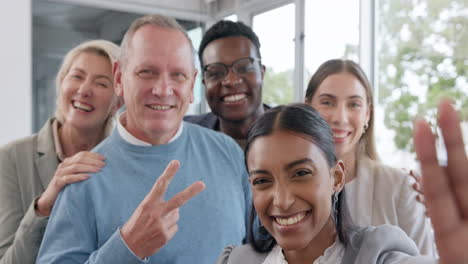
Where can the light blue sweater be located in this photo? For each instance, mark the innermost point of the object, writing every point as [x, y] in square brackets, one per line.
[85, 221]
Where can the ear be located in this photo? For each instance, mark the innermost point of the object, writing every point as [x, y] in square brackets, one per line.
[339, 176]
[192, 86]
[263, 69]
[368, 113]
[117, 71]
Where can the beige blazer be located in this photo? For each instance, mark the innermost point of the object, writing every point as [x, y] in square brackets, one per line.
[26, 167]
[381, 194]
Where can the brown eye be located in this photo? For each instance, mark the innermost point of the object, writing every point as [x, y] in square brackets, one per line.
[301, 173]
[260, 181]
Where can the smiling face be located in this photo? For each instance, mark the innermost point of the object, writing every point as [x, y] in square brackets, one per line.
[156, 83]
[87, 92]
[342, 100]
[292, 193]
[236, 97]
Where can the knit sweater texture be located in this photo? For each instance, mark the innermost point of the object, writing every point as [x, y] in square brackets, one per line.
[85, 221]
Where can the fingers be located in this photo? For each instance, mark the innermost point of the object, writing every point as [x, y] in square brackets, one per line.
[457, 163]
[161, 184]
[85, 157]
[415, 175]
[76, 168]
[439, 200]
[68, 179]
[184, 196]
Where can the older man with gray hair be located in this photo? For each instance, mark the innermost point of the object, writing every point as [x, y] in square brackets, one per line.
[130, 211]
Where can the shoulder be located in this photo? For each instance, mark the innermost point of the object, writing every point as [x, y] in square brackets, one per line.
[207, 120]
[241, 254]
[385, 174]
[383, 238]
[42, 141]
[201, 134]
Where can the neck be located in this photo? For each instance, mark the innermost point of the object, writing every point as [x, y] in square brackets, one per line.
[74, 140]
[316, 248]
[150, 137]
[350, 162]
[239, 129]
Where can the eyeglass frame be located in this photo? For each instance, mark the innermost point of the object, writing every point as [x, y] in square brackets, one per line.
[227, 67]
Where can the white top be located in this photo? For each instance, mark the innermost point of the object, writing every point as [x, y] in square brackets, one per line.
[332, 255]
[383, 195]
[123, 132]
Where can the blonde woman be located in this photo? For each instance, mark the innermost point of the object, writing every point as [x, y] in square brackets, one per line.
[34, 170]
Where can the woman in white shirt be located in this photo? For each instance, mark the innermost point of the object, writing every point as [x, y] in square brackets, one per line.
[377, 194]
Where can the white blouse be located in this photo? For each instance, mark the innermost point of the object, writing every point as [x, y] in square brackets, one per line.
[332, 255]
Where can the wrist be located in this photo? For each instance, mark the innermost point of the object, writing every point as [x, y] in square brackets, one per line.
[41, 207]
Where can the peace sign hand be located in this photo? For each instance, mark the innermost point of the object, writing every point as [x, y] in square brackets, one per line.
[154, 222]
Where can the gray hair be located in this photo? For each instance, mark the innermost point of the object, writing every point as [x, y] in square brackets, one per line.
[155, 20]
[100, 47]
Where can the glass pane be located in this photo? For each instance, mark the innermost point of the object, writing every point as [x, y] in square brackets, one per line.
[277, 48]
[196, 35]
[423, 56]
[232, 18]
[330, 32]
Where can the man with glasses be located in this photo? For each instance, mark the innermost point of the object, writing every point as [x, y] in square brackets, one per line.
[233, 77]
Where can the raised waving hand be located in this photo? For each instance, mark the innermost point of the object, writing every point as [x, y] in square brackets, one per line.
[445, 189]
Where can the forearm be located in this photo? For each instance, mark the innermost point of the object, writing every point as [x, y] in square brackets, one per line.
[26, 240]
[114, 251]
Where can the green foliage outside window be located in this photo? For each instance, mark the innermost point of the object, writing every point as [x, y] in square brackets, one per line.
[278, 87]
[423, 56]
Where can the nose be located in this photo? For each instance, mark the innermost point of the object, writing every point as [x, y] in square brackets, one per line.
[283, 197]
[163, 86]
[86, 88]
[231, 78]
[339, 115]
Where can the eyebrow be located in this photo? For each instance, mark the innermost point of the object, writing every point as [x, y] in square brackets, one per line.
[258, 172]
[286, 167]
[95, 76]
[334, 97]
[297, 162]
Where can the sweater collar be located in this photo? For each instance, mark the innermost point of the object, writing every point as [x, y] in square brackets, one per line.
[129, 138]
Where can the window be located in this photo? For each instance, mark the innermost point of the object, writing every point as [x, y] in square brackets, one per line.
[331, 32]
[196, 36]
[232, 18]
[275, 30]
[422, 56]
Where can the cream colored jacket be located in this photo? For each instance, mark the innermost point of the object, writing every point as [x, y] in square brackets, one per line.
[382, 194]
[26, 167]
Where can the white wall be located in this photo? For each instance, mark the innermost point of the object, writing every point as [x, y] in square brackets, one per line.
[15, 70]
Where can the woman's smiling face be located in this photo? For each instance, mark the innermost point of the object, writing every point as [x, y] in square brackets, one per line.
[292, 187]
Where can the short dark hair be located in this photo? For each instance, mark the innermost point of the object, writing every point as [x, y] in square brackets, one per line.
[226, 28]
[304, 120]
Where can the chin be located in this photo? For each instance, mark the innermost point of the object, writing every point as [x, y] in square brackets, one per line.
[292, 244]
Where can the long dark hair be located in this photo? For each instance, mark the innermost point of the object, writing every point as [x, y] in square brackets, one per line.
[305, 120]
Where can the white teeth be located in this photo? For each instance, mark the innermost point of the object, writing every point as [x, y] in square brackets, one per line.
[339, 135]
[234, 97]
[290, 220]
[81, 106]
[160, 107]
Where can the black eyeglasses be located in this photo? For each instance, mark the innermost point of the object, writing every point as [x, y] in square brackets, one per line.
[218, 71]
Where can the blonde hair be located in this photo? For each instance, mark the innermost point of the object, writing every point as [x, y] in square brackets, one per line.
[103, 48]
